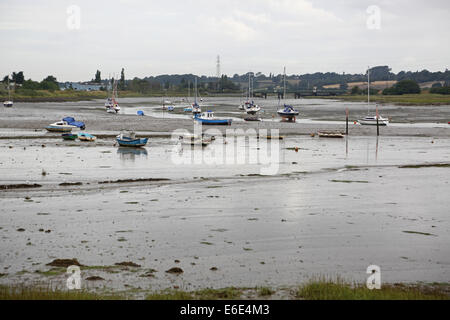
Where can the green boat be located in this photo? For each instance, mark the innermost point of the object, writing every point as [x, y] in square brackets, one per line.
[69, 136]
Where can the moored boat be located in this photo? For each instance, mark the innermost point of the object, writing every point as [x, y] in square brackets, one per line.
[372, 120]
[330, 134]
[65, 125]
[128, 139]
[8, 103]
[252, 118]
[60, 126]
[194, 140]
[83, 136]
[209, 119]
[287, 111]
[251, 108]
[111, 104]
[196, 110]
[69, 136]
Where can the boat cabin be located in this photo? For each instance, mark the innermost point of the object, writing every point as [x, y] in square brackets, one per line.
[208, 115]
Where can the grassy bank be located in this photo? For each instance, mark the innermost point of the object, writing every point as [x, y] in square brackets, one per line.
[313, 290]
[406, 99]
[55, 96]
[72, 95]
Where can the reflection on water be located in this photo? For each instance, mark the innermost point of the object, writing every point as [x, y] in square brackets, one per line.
[128, 153]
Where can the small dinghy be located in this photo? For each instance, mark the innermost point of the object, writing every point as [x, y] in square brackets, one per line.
[330, 134]
[86, 137]
[69, 136]
[195, 140]
[128, 139]
[252, 118]
[8, 104]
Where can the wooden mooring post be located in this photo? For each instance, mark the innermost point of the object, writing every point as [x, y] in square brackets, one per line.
[378, 127]
[346, 121]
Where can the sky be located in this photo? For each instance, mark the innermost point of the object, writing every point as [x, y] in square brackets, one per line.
[72, 39]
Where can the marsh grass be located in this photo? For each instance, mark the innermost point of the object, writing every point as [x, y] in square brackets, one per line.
[265, 291]
[203, 294]
[406, 99]
[326, 289]
[321, 289]
[24, 292]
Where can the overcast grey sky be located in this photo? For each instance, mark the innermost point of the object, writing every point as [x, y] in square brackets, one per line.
[174, 36]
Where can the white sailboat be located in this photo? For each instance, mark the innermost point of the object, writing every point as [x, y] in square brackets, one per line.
[196, 110]
[372, 120]
[8, 103]
[188, 107]
[111, 104]
[287, 111]
[249, 106]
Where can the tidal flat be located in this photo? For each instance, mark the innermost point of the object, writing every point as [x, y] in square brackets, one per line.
[216, 219]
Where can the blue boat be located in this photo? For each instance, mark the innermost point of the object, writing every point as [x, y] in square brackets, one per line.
[83, 136]
[129, 140]
[209, 119]
[288, 111]
[71, 121]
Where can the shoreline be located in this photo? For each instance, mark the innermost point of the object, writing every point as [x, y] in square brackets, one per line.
[322, 289]
[399, 100]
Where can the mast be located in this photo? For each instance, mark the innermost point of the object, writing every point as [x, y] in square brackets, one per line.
[284, 84]
[9, 91]
[248, 92]
[368, 88]
[189, 90]
[196, 90]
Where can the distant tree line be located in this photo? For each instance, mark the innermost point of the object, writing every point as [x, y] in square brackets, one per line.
[403, 87]
[236, 83]
[18, 79]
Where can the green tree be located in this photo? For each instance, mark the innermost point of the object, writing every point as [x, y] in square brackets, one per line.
[440, 90]
[18, 77]
[30, 84]
[355, 90]
[98, 78]
[403, 87]
[122, 80]
[436, 85]
[50, 84]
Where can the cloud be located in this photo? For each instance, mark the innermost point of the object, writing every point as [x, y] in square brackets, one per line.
[175, 36]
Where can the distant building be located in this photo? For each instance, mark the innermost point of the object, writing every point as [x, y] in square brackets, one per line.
[80, 86]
